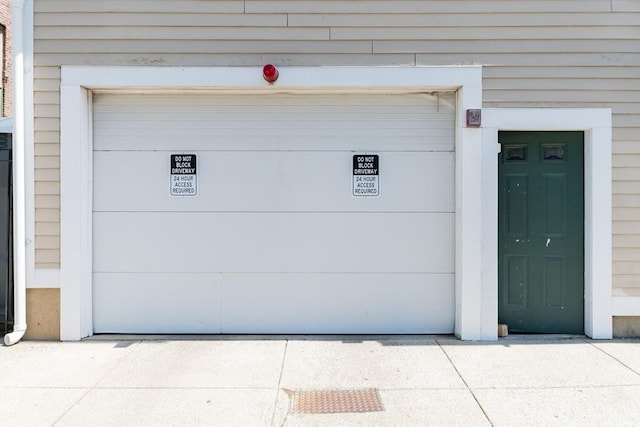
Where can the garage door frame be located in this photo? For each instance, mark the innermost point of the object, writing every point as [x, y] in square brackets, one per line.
[476, 299]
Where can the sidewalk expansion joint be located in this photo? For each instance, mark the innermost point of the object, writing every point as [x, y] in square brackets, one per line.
[465, 383]
[614, 358]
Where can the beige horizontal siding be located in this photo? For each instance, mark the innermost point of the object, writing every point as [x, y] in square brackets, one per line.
[46, 98]
[204, 46]
[48, 215]
[333, 6]
[629, 285]
[626, 208]
[628, 267]
[49, 242]
[559, 59]
[626, 227]
[477, 19]
[47, 174]
[47, 202]
[433, 34]
[631, 254]
[626, 174]
[626, 161]
[264, 51]
[595, 84]
[42, 85]
[47, 160]
[47, 258]
[47, 110]
[486, 33]
[625, 241]
[174, 35]
[585, 96]
[626, 200]
[47, 229]
[549, 53]
[625, 6]
[577, 72]
[177, 19]
[626, 214]
[444, 6]
[140, 6]
[44, 149]
[625, 187]
[622, 147]
[232, 59]
[47, 188]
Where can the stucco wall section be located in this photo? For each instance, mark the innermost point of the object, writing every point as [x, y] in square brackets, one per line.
[626, 326]
[43, 314]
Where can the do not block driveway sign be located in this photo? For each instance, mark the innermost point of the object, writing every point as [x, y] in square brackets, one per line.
[184, 175]
[366, 175]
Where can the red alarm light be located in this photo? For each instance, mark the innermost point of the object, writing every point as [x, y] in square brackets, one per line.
[270, 73]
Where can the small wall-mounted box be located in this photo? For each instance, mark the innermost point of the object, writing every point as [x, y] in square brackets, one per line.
[474, 118]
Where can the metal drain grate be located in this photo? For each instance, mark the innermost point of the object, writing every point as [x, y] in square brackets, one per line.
[335, 401]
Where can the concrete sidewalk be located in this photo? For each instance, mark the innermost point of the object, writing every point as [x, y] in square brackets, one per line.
[243, 381]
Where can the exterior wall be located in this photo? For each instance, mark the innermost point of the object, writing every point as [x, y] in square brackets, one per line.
[43, 314]
[535, 54]
[626, 326]
[7, 92]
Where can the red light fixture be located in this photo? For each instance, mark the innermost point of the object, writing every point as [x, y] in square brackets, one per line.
[270, 73]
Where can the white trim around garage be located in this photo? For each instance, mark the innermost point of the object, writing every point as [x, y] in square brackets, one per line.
[473, 320]
[45, 278]
[596, 124]
[625, 306]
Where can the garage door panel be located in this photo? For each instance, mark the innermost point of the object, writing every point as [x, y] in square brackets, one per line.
[277, 303]
[273, 181]
[156, 303]
[338, 303]
[273, 103]
[274, 241]
[146, 139]
[288, 142]
[271, 242]
[304, 122]
[275, 122]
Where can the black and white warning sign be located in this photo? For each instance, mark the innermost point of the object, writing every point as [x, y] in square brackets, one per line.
[366, 175]
[184, 175]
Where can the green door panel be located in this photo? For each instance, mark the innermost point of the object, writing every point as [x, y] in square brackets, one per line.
[541, 232]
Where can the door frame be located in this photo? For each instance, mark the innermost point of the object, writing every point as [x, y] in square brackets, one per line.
[596, 125]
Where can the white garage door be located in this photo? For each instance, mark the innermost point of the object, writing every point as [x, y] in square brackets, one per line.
[274, 241]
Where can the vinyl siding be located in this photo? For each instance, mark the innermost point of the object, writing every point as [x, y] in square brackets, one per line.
[548, 53]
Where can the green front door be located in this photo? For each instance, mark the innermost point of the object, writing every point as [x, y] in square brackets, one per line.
[541, 232]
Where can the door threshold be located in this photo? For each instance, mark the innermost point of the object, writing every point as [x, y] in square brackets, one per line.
[541, 337]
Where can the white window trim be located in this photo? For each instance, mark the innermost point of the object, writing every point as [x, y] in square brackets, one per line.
[474, 256]
[596, 124]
